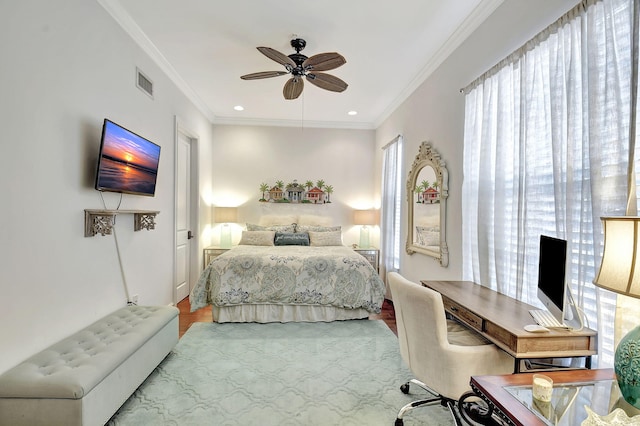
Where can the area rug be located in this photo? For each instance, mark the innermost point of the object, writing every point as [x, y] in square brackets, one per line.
[339, 373]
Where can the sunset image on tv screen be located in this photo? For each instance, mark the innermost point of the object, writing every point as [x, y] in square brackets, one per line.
[128, 162]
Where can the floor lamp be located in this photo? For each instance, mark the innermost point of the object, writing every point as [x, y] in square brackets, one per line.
[620, 273]
[364, 218]
[225, 215]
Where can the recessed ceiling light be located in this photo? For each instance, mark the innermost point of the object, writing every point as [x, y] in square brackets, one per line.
[353, 113]
[238, 108]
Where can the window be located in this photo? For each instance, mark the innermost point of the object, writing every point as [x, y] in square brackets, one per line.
[546, 152]
[391, 205]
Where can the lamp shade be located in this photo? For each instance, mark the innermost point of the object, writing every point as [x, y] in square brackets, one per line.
[619, 272]
[620, 267]
[226, 214]
[365, 217]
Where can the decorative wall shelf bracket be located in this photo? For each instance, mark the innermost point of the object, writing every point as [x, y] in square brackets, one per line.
[101, 221]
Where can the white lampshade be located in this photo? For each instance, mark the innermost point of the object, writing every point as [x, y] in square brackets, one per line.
[226, 214]
[620, 272]
[365, 217]
[620, 267]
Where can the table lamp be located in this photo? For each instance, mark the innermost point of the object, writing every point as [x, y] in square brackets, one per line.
[225, 215]
[620, 273]
[364, 218]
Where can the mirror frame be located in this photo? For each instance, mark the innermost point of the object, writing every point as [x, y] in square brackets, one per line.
[427, 156]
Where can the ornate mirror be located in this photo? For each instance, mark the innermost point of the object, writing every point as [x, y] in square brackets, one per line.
[427, 192]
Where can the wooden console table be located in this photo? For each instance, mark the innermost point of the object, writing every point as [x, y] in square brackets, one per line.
[501, 319]
[509, 397]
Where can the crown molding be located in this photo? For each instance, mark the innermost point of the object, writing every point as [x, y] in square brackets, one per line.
[468, 26]
[235, 121]
[115, 9]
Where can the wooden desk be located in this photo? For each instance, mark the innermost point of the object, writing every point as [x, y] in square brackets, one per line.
[501, 319]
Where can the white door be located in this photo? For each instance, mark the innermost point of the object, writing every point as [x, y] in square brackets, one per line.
[183, 216]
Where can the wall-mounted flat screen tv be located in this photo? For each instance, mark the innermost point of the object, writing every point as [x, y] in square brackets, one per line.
[128, 162]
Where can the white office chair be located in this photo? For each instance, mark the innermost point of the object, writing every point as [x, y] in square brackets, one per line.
[441, 353]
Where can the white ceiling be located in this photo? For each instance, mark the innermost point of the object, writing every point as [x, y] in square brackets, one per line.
[390, 47]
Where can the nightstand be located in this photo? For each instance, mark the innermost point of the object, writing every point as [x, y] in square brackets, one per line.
[211, 252]
[372, 255]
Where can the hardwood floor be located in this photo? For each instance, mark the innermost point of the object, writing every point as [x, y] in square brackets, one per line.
[388, 315]
[186, 318]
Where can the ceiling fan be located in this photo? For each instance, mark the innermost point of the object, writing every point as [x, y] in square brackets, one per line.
[299, 65]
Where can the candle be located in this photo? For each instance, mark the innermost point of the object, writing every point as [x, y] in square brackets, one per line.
[542, 387]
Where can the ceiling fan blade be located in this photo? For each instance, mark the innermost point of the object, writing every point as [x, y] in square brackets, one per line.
[280, 58]
[293, 87]
[327, 82]
[324, 61]
[263, 74]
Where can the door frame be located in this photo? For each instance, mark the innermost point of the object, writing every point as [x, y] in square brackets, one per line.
[194, 206]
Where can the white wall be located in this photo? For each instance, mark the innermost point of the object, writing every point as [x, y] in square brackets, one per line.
[435, 113]
[66, 65]
[246, 156]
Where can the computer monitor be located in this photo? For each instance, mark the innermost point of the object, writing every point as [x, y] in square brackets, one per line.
[552, 266]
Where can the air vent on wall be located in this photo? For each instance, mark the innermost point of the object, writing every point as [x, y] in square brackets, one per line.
[144, 83]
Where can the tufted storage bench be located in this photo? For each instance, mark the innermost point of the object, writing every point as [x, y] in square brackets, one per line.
[85, 378]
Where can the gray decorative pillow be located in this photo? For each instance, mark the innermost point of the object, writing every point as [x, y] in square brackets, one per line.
[276, 228]
[292, 239]
[325, 238]
[257, 238]
[317, 228]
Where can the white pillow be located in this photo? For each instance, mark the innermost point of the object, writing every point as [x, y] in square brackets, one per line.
[309, 219]
[327, 238]
[270, 220]
[257, 238]
[428, 235]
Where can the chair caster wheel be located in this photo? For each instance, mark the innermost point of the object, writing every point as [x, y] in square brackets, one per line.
[399, 422]
[405, 389]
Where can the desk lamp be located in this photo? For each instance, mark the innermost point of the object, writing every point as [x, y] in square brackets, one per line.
[364, 218]
[620, 273]
[225, 215]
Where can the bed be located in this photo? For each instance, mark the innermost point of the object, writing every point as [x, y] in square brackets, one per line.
[279, 276]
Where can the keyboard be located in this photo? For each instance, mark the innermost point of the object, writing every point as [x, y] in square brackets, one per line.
[546, 319]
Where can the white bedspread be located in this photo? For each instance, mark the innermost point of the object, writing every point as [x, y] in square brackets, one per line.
[290, 275]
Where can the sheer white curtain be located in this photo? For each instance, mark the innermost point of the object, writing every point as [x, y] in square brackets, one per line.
[546, 152]
[391, 206]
